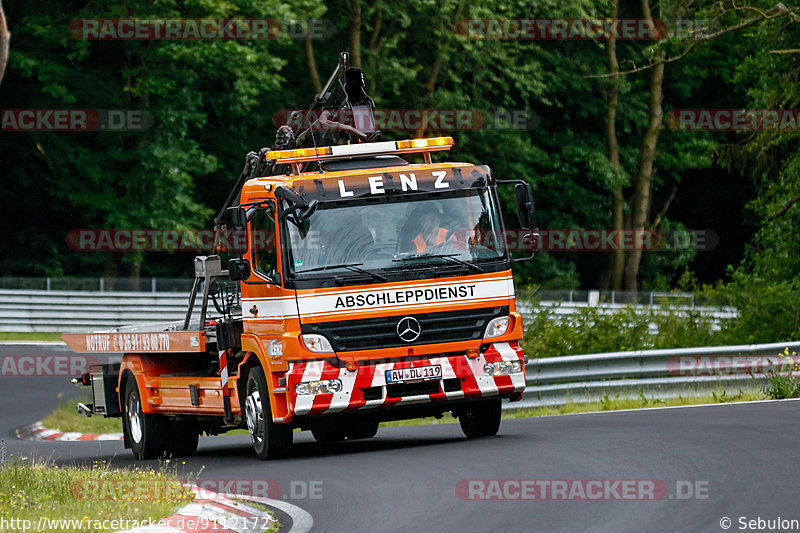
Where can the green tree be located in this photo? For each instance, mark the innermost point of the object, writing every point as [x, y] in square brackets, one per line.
[766, 286]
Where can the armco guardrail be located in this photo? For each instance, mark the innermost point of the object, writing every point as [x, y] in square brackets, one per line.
[561, 310]
[79, 311]
[653, 373]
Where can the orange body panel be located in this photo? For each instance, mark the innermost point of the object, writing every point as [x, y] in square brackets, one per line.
[140, 342]
[163, 393]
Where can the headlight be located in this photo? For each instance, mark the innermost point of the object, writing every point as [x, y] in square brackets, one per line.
[502, 368]
[496, 327]
[317, 343]
[325, 386]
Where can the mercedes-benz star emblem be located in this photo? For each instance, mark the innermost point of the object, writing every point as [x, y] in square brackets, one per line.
[408, 329]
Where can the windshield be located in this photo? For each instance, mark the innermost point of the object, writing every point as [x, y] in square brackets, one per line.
[398, 232]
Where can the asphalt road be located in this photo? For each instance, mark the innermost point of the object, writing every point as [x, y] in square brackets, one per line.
[741, 459]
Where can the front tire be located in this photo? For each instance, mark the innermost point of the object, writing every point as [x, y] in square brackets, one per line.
[481, 419]
[362, 428]
[328, 431]
[147, 433]
[270, 440]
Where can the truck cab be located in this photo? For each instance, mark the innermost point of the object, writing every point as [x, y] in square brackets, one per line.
[375, 289]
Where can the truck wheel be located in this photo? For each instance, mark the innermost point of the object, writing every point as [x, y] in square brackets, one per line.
[184, 437]
[147, 433]
[270, 440]
[481, 419]
[327, 431]
[362, 428]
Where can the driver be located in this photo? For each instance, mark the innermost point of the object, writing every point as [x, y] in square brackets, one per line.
[431, 234]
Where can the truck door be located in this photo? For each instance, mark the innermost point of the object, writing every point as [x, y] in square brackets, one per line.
[268, 308]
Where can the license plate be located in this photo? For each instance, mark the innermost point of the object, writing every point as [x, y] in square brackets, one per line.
[419, 373]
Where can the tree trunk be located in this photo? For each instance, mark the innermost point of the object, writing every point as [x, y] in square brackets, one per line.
[618, 257]
[5, 42]
[640, 201]
[642, 189]
[111, 270]
[312, 65]
[355, 34]
[374, 47]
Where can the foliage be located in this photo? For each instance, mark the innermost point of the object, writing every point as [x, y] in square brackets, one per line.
[213, 101]
[765, 286]
[30, 489]
[781, 387]
[598, 330]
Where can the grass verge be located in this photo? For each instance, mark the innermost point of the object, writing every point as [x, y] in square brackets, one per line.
[36, 494]
[275, 526]
[618, 404]
[14, 336]
[66, 418]
[607, 404]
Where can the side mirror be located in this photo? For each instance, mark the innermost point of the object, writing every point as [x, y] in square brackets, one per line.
[299, 207]
[235, 217]
[306, 213]
[275, 276]
[525, 208]
[239, 269]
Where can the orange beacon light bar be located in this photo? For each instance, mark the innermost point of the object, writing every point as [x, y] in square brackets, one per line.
[410, 146]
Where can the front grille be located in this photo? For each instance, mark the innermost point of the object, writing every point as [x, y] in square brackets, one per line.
[373, 393]
[376, 333]
[412, 389]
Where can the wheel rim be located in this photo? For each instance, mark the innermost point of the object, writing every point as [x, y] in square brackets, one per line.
[255, 417]
[134, 421]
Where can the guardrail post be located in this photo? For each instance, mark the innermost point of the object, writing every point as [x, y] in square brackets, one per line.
[102, 284]
[594, 298]
[570, 296]
[153, 284]
[651, 297]
[47, 284]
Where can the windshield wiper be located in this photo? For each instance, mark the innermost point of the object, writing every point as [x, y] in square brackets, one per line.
[451, 257]
[349, 266]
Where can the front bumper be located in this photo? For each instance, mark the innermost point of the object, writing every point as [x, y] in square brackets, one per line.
[365, 388]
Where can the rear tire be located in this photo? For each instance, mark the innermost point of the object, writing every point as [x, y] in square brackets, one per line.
[362, 428]
[147, 433]
[481, 419]
[270, 440]
[184, 437]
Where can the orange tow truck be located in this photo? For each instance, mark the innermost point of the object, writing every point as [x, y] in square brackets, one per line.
[360, 288]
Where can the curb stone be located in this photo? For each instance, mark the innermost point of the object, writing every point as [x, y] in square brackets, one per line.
[38, 432]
